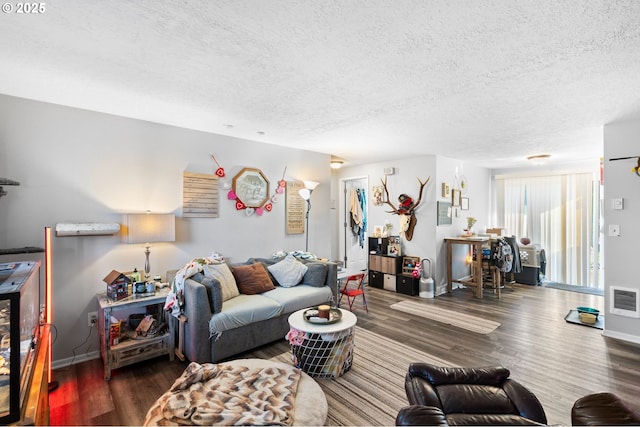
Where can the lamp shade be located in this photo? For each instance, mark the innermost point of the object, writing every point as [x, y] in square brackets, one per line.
[150, 228]
[310, 185]
[305, 193]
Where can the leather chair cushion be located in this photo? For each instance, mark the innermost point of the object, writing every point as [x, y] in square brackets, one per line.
[474, 399]
[489, 420]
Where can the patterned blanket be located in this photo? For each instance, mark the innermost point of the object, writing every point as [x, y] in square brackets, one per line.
[175, 298]
[222, 394]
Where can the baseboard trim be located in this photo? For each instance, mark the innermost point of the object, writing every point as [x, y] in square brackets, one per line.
[63, 363]
[621, 336]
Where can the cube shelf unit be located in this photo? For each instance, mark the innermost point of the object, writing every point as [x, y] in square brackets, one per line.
[390, 272]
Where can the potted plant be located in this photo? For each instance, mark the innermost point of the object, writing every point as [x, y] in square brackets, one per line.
[470, 223]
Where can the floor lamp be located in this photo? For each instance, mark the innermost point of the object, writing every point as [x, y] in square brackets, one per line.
[305, 193]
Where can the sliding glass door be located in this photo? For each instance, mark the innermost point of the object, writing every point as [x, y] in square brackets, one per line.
[561, 213]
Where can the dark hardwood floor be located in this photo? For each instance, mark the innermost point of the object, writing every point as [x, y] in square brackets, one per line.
[558, 361]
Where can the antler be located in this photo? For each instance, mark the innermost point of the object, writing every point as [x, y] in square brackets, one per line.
[422, 184]
[384, 185]
[395, 210]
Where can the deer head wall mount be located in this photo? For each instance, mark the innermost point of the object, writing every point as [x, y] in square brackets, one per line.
[406, 208]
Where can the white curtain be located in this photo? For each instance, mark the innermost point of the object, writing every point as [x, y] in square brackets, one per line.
[557, 213]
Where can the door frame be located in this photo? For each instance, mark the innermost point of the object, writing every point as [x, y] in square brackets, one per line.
[342, 233]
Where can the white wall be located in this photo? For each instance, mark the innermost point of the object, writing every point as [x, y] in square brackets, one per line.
[621, 253]
[427, 241]
[77, 165]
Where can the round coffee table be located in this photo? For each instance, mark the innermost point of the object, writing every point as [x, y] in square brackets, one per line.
[322, 350]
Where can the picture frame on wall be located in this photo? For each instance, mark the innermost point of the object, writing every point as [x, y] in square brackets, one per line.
[464, 204]
[446, 190]
[456, 198]
[444, 213]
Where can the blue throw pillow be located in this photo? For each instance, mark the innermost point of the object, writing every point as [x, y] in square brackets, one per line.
[316, 274]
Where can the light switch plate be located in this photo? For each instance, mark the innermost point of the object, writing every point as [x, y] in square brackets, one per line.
[618, 204]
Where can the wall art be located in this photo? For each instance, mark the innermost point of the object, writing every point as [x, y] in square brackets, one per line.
[199, 195]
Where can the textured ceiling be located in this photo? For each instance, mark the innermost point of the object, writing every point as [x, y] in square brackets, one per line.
[487, 81]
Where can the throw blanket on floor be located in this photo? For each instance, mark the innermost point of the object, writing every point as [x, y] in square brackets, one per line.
[222, 394]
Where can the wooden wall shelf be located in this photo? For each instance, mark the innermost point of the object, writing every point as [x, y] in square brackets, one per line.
[86, 229]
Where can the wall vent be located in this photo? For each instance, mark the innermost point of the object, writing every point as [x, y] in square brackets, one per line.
[625, 302]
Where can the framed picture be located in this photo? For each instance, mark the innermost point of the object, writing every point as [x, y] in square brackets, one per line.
[394, 247]
[376, 196]
[464, 205]
[251, 187]
[455, 198]
[446, 190]
[444, 213]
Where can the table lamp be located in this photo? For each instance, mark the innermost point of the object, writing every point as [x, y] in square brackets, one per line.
[149, 228]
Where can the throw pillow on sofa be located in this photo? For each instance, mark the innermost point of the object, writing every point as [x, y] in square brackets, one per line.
[288, 272]
[252, 279]
[316, 274]
[222, 274]
[266, 262]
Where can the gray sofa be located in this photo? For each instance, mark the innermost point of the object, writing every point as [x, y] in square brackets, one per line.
[218, 330]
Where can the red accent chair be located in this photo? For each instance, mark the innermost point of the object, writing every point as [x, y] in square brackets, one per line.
[352, 288]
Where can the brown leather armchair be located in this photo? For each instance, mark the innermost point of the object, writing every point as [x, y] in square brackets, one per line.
[603, 409]
[467, 396]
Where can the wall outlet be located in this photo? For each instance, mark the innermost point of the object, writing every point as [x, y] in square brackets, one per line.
[614, 230]
[93, 318]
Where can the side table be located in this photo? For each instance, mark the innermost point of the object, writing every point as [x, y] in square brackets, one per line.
[126, 352]
[322, 350]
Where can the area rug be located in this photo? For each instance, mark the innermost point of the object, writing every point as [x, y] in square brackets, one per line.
[442, 315]
[372, 391]
[574, 317]
[574, 288]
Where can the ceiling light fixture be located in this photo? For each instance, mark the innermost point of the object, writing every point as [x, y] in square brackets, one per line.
[336, 164]
[539, 159]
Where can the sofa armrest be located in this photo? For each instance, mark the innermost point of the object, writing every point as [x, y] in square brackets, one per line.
[525, 401]
[332, 279]
[417, 415]
[197, 345]
[420, 392]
